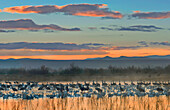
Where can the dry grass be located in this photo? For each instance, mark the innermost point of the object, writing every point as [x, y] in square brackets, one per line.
[114, 103]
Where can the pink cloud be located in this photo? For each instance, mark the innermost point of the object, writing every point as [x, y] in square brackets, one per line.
[92, 10]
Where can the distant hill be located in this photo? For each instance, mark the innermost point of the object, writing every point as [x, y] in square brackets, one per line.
[24, 59]
[135, 57]
[98, 58]
[104, 62]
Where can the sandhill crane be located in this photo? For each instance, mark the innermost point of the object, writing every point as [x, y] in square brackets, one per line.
[159, 89]
[132, 83]
[113, 83]
[14, 89]
[98, 89]
[140, 88]
[104, 83]
[121, 88]
[125, 83]
[85, 89]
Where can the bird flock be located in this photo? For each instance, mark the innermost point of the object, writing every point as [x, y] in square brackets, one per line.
[35, 90]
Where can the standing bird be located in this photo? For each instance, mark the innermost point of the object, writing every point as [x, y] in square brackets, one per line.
[159, 89]
[14, 89]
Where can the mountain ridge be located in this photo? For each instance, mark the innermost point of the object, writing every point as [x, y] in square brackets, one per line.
[100, 58]
[134, 57]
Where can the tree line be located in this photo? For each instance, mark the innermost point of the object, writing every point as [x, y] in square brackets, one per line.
[75, 70]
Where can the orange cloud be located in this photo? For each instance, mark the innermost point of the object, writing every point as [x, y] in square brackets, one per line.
[99, 14]
[41, 52]
[92, 10]
[18, 9]
[136, 11]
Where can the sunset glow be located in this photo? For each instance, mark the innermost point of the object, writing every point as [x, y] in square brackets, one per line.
[111, 53]
[76, 30]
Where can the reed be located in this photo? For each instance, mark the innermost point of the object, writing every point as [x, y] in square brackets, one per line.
[81, 103]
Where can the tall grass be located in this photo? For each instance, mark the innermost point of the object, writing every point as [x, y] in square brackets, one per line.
[114, 103]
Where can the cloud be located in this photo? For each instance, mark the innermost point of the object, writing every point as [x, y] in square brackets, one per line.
[151, 15]
[142, 28]
[100, 13]
[28, 24]
[136, 11]
[132, 47]
[77, 51]
[92, 10]
[144, 43]
[92, 28]
[48, 31]
[95, 44]
[125, 47]
[146, 27]
[6, 31]
[34, 30]
[148, 44]
[35, 52]
[69, 48]
[166, 43]
[35, 48]
[106, 28]
[51, 46]
[64, 46]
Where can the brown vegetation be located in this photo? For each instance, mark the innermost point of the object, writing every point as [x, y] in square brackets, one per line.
[114, 103]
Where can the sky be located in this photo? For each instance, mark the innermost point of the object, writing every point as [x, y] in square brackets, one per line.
[80, 29]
